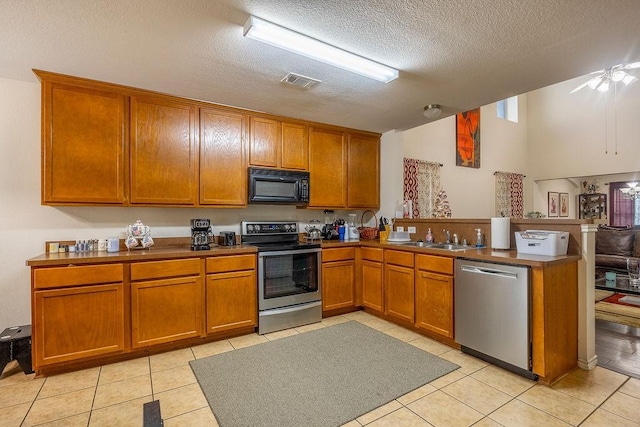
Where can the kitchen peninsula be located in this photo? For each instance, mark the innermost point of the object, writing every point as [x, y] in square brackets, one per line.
[91, 309]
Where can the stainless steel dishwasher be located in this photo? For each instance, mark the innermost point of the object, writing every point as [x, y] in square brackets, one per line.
[493, 313]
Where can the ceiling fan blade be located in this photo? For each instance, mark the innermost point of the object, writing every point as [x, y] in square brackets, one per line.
[580, 87]
[597, 72]
[631, 66]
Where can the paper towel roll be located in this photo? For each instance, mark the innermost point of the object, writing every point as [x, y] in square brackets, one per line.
[500, 233]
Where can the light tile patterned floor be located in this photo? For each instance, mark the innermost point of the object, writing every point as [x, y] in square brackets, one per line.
[477, 394]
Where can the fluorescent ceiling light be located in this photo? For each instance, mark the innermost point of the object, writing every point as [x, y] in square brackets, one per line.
[275, 35]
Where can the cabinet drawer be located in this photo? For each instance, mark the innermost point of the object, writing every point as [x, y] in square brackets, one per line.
[404, 259]
[439, 264]
[231, 263]
[338, 254]
[161, 269]
[372, 254]
[58, 277]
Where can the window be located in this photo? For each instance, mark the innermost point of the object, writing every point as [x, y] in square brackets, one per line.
[624, 211]
[508, 109]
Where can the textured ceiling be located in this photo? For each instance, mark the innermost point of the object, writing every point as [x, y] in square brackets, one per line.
[461, 54]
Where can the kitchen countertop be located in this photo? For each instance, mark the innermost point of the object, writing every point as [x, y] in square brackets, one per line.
[184, 251]
[479, 254]
[166, 252]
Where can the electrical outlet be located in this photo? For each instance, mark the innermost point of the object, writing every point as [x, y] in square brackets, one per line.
[411, 230]
[399, 228]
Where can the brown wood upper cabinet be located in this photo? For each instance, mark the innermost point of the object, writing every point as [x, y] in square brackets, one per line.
[107, 144]
[363, 171]
[278, 144]
[223, 170]
[84, 144]
[327, 168]
[163, 152]
[344, 168]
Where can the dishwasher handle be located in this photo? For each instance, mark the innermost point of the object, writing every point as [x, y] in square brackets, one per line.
[490, 271]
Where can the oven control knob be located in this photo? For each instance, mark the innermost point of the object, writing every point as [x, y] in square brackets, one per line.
[250, 228]
[293, 227]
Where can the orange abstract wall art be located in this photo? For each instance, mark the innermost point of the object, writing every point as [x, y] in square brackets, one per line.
[468, 139]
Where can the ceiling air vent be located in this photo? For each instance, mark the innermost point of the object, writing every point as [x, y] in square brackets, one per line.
[300, 81]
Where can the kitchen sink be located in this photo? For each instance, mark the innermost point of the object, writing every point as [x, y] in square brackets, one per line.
[443, 246]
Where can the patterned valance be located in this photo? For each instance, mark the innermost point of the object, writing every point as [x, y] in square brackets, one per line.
[509, 194]
[421, 185]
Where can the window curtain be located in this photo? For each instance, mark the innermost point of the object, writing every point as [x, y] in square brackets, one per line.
[622, 210]
[509, 194]
[421, 186]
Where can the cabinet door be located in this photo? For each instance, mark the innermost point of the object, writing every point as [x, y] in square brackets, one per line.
[372, 285]
[399, 292]
[264, 142]
[295, 146]
[166, 310]
[434, 303]
[231, 300]
[327, 168]
[83, 146]
[163, 152]
[223, 169]
[338, 280]
[363, 182]
[77, 323]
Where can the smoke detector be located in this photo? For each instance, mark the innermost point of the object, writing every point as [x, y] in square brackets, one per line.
[300, 81]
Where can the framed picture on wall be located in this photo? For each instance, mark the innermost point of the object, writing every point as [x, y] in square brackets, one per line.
[468, 139]
[553, 204]
[564, 204]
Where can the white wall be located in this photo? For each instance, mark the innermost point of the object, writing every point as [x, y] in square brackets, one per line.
[573, 135]
[25, 224]
[574, 187]
[391, 172]
[503, 147]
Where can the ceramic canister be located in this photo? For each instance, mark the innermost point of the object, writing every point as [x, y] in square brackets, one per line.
[113, 244]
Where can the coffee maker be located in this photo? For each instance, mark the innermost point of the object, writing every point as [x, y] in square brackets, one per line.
[201, 234]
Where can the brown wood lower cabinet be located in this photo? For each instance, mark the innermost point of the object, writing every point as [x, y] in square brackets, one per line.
[78, 313]
[165, 309]
[434, 294]
[372, 279]
[338, 278]
[399, 285]
[81, 322]
[231, 293]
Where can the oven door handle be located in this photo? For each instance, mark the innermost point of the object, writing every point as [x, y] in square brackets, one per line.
[291, 252]
[290, 309]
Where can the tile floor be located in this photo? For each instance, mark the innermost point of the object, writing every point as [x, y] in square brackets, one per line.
[477, 394]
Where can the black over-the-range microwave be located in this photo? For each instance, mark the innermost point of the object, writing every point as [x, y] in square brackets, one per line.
[278, 186]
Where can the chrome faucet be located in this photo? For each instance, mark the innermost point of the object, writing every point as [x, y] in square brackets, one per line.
[448, 234]
[456, 241]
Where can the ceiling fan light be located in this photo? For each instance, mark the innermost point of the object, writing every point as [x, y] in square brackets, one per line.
[632, 184]
[628, 79]
[625, 190]
[594, 82]
[604, 86]
[618, 75]
[432, 111]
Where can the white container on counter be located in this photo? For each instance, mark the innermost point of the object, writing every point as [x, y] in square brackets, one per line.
[542, 242]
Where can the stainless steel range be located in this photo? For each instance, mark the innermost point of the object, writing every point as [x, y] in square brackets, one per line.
[289, 282]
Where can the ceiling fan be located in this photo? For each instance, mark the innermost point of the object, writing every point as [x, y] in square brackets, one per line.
[614, 74]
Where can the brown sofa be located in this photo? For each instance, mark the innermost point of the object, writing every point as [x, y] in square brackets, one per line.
[614, 245]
